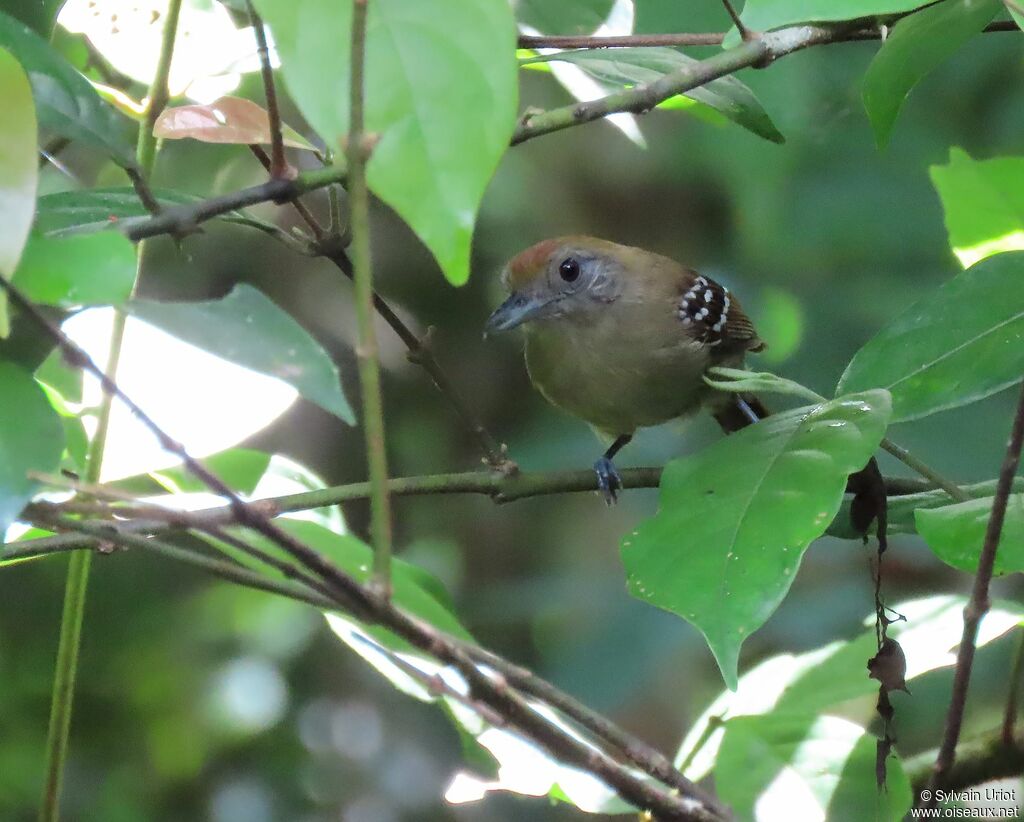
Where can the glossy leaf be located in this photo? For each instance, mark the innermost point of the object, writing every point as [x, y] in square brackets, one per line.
[66, 103]
[916, 45]
[233, 120]
[959, 344]
[635, 66]
[734, 521]
[248, 329]
[31, 439]
[956, 534]
[762, 15]
[983, 201]
[784, 766]
[38, 15]
[18, 170]
[97, 209]
[440, 91]
[91, 269]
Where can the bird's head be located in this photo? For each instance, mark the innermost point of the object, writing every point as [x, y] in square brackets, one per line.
[567, 277]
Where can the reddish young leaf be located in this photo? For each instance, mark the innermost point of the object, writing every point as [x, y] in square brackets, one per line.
[227, 120]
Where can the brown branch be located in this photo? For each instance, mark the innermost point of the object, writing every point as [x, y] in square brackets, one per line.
[278, 164]
[977, 607]
[711, 38]
[1013, 692]
[367, 604]
[977, 762]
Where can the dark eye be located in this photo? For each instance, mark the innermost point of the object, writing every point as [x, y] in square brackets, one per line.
[569, 270]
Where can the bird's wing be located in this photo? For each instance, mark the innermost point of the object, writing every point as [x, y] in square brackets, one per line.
[712, 315]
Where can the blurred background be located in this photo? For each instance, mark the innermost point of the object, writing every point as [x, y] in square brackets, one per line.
[197, 700]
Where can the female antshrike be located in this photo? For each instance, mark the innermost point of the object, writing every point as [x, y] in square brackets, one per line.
[622, 338]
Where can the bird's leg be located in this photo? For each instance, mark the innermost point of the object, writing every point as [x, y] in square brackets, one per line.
[608, 479]
[746, 410]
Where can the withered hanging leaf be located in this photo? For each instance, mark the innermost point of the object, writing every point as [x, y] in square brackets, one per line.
[889, 666]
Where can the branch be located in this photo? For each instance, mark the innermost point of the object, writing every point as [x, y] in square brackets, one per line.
[278, 165]
[977, 762]
[185, 218]
[367, 604]
[642, 98]
[367, 354]
[710, 38]
[977, 607]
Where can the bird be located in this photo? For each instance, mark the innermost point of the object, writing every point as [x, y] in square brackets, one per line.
[622, 338]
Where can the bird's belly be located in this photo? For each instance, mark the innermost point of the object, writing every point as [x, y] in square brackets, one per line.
[617, 394]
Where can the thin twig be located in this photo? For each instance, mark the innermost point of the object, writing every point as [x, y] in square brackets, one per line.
[956, 493]
[367, 353]
[744, 32]
[711, 38]
[977, 606]
[1013, 693]
[278, 164]
[296, 202]
[977, 761]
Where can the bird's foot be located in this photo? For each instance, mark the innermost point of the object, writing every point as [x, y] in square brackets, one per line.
[608, 480]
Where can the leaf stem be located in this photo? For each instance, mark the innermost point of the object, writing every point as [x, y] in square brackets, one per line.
[73, 613]
[278, 164]
[358, 150]
[956, 493]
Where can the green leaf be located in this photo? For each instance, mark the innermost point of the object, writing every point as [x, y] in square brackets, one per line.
[18, 170]
[240, 468]
[780, 766]
[1018, 16]
[734, 521]
[635, 66]
[97, 209]
[440, 90]
[823, 679]
[956, 533]
[31, 439]
[93, 269]
[983, 201]
[762, 15]
[246, 328]
[39, 15]
[959, 344]
[917, 45]
[65, 101]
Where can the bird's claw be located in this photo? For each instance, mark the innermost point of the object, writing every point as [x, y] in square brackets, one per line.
[608, 480]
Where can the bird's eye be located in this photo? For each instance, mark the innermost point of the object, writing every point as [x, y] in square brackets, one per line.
[569, 270]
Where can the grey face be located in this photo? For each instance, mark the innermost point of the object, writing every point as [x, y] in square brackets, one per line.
[573, 281]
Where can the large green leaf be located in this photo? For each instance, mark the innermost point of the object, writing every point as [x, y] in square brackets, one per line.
[633, 66]
[92, 269]
[915, 47]
[956, 533]
[959, 344]
[734, 521]
[39, 15]
[785, 766]
[984, 204]
[97, 209]
[240, 468]
[248, 329]
[65, 101]
[18, 170]
[31, 439]
[762, 15]
[440, 90]
[823, 679]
